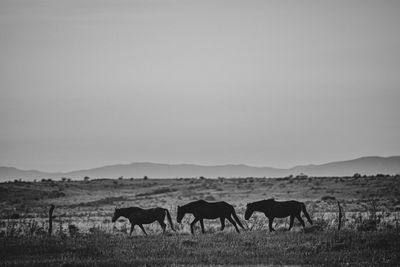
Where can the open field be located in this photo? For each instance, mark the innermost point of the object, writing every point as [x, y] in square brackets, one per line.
[84, 235]
[331, 248]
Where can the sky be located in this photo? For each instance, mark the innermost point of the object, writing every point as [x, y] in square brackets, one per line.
[87, 83]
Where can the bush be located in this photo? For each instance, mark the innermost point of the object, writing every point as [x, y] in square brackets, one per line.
[73, 230]
[328, 198]
[14, 216]
[209, 198]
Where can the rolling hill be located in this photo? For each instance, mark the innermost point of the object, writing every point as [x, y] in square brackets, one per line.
[364, 165]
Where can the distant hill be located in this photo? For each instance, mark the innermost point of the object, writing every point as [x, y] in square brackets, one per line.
[365, 165]
[10, 173]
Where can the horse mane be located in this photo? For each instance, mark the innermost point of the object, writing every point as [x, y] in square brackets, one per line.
[193, 203]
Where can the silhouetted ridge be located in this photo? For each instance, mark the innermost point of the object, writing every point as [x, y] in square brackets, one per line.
[364, 165]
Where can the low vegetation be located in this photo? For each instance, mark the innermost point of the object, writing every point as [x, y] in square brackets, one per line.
[331, 248]
[83, 234]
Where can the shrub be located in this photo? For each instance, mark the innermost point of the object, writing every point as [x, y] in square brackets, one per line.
[209, 198]
[328, 198]
[73, 230]
[367, 225]
[14, 216]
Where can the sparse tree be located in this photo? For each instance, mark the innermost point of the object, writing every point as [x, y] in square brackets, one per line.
[302, 175]
[145, 177]
[86, 178]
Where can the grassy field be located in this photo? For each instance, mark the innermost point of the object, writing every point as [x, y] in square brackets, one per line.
[83, 234]
[347, 248]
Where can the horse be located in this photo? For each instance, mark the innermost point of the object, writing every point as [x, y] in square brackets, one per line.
[139, 216]
[202, 209]
[276, 209]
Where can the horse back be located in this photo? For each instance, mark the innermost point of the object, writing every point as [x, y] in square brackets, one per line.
[211, 210]
[281, 209]
[205, 204]
[146, 216]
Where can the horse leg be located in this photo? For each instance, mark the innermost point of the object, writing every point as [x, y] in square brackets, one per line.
[202, 225]
[192, 225]
[222, 223]
[291, 222]
[141, 227]
[234, 224]
[270, 221]
[132, 227]
[300, 220]
[163, 225]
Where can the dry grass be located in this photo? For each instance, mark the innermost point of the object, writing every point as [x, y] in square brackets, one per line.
[328, 248]
[85, 236]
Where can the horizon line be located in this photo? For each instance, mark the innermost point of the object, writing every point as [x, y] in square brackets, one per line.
[195, 164]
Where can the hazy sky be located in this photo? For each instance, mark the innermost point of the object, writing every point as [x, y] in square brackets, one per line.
[264, 83]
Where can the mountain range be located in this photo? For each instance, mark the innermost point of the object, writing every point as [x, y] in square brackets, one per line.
[364, 165]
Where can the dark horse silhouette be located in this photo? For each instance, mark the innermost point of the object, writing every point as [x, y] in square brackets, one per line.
[209, 210]
[275, 209]
[138, 216]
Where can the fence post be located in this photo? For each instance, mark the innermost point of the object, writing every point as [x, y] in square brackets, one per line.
[340, 216]
[51, 217]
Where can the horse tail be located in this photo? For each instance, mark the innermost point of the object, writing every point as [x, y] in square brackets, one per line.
[303, 208]
[235, 217]
[170, 220]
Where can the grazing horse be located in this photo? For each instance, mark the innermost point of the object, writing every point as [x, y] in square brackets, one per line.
[209, 210]
[138, 216]
[275, 209]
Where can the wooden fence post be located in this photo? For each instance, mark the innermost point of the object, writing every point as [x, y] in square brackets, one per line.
[51, 217]
[340, 216]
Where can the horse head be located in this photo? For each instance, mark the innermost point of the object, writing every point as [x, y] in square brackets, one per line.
[116, 215]
[180, 214]
[249, 211]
